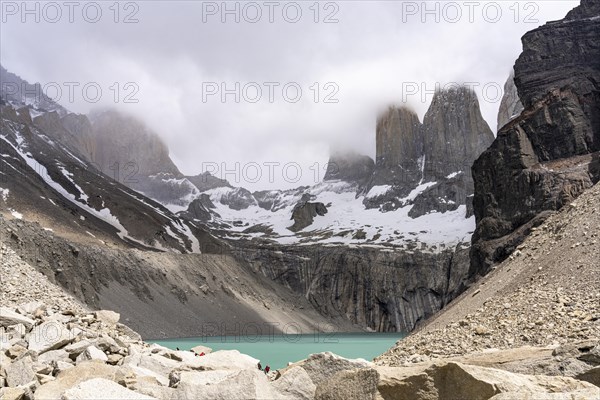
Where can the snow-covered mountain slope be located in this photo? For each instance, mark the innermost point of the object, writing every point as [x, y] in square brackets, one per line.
[45, 181]
[347, 220]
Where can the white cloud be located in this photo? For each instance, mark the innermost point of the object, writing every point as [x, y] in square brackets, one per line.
[370, 54]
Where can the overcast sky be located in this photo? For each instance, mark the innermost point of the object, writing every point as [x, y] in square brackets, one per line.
[177, 56]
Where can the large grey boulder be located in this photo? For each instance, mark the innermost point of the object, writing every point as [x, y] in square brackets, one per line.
[456, 380]
[201, 349]
[53, 356]
[322, 366]
[32, 307]
[245, 384]
[75, 349]
[12, 393]
[70, 377]
[49, 335]
[357, 384]
[102, 389]
[157, 363]
[20, 372]
[296, 384]
[92, 353]
[9, 317]
[201, 377]
[109, 317]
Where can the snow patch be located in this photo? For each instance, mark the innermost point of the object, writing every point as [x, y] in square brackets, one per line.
[454, 174]
[4, 194]
[16, 214]
[417, 191]
[377, 191]
[82, 196]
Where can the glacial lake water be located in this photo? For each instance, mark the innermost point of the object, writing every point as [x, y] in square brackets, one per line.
[277, 350]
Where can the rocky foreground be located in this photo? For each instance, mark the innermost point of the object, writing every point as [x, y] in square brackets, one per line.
[54, 348]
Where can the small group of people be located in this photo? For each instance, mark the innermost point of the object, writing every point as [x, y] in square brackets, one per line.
[266, 370]
[196, 354]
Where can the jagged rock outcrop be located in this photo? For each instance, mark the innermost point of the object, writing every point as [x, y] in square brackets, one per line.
[206, 181]
[20, 93]
[200, 209]
[350, 167]
[238, 198]
[547, 156]
[305, 212]
[274, 200]
[510, 106]
[446, 195]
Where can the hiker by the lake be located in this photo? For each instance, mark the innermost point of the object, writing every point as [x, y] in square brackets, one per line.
[259, 366]
[267, 369]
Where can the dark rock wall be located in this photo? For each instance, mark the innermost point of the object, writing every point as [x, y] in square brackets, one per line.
[386, 291]
[547, 156]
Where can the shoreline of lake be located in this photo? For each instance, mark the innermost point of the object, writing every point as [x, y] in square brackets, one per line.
[277, 350]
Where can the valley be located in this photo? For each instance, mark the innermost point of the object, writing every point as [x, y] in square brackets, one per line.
[479, 250]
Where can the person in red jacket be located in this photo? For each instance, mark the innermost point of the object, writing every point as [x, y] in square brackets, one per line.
[267, 369]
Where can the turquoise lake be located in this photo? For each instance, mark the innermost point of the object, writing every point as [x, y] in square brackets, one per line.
[277, 350]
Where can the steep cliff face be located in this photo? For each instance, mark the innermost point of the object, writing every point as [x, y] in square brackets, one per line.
[547, 156]
[399, 149]
[455, 133]
[510, 106]
[384, 290]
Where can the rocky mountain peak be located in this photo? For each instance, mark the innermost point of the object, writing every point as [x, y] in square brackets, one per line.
[587, 9]
[455, 132]
[16, 91]
[399, 149]
[350, 167]
[561, 54]
[438, 153]
[399, 137]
